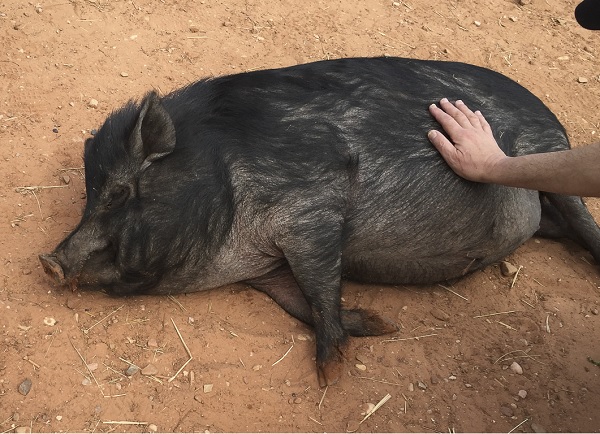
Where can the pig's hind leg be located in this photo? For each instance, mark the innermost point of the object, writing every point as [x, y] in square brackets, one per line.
[282, 287]
[568, 217]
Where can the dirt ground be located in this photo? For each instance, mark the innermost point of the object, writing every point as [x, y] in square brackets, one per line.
[252, 366]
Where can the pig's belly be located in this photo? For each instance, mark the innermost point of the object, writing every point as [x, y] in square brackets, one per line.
[419, 251]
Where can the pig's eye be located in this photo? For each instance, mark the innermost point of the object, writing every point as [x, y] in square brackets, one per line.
[118, 196]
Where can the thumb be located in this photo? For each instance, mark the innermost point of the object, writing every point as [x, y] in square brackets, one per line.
[441, 143]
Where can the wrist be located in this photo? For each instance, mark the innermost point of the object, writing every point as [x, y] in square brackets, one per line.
[499, 170]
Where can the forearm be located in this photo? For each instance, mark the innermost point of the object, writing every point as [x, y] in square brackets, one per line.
[574, 172]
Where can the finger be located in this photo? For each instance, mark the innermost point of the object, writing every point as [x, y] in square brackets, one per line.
[483, 121]
[472, 117]
[457, 115]
[443, 145]
[447, 121]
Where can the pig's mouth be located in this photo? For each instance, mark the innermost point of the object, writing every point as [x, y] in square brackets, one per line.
[53, 269]
[98, 274]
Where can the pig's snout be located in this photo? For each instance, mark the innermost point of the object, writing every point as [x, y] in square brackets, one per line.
[53, 268]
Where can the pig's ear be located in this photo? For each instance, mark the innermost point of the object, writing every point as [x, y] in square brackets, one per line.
[154, 133]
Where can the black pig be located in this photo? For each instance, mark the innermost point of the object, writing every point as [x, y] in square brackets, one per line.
[290, 179]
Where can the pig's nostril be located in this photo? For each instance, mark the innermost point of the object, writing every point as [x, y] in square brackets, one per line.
[52, 268]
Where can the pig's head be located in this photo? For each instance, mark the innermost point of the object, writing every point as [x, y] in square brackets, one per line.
[149, 209]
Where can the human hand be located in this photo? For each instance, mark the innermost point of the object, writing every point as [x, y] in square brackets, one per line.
[473, 153]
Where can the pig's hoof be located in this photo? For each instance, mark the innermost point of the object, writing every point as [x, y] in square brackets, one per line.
[52, 268]
[329, 373]
[362, 322]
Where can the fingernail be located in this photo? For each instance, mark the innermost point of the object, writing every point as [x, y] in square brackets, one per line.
[432, 134]
[459, 101]
[432, 106]
[444, 100]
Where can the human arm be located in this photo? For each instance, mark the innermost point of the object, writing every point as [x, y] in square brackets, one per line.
[474, 154]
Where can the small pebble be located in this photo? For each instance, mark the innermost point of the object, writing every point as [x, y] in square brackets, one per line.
[86, 381]
[72, 104]
[361, 367]
[439, 314]
[25, 387]
[537, 428]
[92, 366]
[288, 383]
[367, 408]
[22, 429]
[516, 368]
[152, 343]
[15, 417]
[434, 379]
[452, 377]
[507, 269]
[411, 387]
[152, 427]
[513, 19]
[302, 338]
[66, 179]
[132, 369]
[595, 311]
[194, 29]
[93, 132]
[362, 359]
[522, 394]
[507, 411]
[118, 386]
[477, 23]
[150, 370]
[124, 74]
[93, 103]
[582, 80]
[257, 367]
[55, 130]
[59, 418]
[49, 321]
[421, 385]
[297, 400]
[207, 388]
[524, 2]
